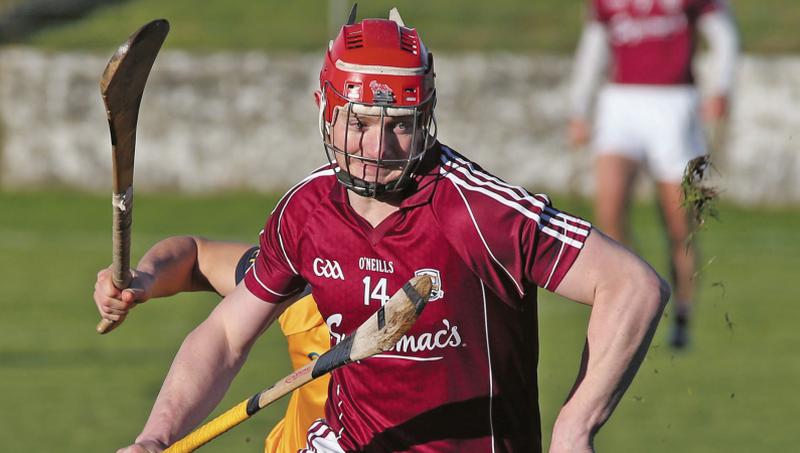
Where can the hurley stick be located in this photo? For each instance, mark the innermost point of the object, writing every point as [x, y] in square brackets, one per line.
[122, 86]
[377, 334]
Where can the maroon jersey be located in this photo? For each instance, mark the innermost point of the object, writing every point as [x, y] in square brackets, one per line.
[463, 379]
[652, 41]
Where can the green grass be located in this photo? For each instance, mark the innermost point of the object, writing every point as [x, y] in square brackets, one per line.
[67, 389]
[446, 25]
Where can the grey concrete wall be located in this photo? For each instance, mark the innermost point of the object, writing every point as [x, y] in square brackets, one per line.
[248, 121]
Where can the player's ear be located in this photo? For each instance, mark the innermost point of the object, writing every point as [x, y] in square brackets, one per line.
[317, 97]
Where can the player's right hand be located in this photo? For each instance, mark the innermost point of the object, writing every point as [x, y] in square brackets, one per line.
[114, 304]
[142, 447]
[578, 132]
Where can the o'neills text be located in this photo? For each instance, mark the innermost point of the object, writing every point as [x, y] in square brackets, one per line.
[375, 265]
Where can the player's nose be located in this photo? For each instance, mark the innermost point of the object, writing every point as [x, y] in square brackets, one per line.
[380, 145]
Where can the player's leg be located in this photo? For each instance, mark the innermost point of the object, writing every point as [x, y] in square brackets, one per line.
[617, 152]
[682, 258]
[678, 140]
[614, 177]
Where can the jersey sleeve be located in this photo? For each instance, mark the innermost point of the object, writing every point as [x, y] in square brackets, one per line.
[512, 238]
[273, 276]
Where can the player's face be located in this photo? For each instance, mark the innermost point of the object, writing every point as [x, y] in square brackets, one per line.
[377, 147]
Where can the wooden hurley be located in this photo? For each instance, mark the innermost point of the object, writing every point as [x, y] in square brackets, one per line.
[377, 334]
[122, 86]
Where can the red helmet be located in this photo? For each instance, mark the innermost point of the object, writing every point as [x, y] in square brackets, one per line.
[378, 67]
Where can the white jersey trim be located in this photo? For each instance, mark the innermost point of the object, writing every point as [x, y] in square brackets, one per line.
[517, 207]
[489, 361]
[520, 291]
[555, 265]
[549, 213]
[517, 193]
[522, 194]
[319, 172]
[255, 274]
[321, 439]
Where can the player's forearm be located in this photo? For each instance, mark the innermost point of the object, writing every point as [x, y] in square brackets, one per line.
[172, 264]
[591, 59]
[720, 32]
[198, 379]
[623, 320]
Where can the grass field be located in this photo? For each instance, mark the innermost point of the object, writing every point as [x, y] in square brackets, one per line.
[767, 26]
[67, 389]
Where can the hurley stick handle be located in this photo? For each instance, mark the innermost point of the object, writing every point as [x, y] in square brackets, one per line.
[123, 218]
[121, 259]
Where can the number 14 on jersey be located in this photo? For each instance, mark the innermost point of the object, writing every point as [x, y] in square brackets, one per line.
[377, 292]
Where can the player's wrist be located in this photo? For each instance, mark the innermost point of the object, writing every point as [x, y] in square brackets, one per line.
[574, 429]
[571, 439]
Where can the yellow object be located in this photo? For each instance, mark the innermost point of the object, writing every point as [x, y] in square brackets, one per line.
[308, 338]
[210, 430]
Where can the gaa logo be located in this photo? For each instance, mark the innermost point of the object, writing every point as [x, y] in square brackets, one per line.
[328, 269]
[436, 283]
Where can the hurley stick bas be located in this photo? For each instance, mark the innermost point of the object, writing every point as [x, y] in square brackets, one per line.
[122, 86]
[377, 334]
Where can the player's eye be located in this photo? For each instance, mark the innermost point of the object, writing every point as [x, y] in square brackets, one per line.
[403, 127]
[356, 124]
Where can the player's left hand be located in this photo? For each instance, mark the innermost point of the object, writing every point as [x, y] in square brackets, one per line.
[715, 108]
[579, 132]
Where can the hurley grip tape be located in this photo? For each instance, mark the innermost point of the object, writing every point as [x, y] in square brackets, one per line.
[123, 200]
[336, 357]
[252, 404]
[415, 297]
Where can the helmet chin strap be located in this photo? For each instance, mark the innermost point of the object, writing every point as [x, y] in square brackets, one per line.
[360, 186]
[372, 189]
[369, 189]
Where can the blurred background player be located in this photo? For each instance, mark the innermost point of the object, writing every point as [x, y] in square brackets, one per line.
[179, 264]
[649, 113]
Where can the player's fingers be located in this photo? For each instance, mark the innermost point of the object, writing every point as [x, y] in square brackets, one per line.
[105, 286]
[113, 316]
[102, 301]
[110, 305]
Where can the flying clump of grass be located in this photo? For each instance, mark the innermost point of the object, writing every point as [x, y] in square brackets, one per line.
[699, 196]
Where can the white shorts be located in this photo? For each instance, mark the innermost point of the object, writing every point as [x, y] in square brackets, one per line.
[321, 439]
[659, 126]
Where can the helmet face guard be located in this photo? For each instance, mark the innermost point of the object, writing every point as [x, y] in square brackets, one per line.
[376, 101]
[365, 171]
